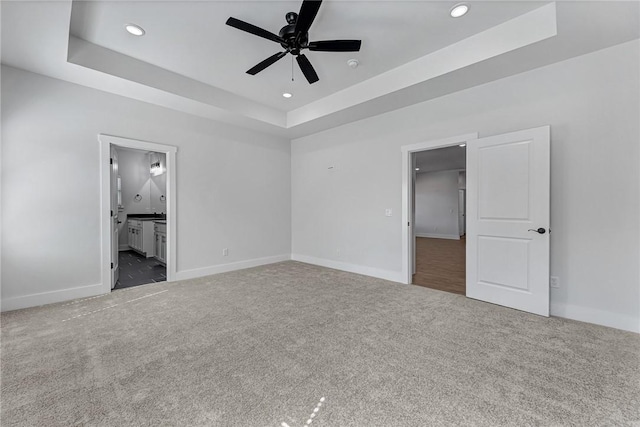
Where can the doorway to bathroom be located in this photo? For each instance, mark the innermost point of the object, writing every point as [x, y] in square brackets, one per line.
[138, 199]
[140, 191]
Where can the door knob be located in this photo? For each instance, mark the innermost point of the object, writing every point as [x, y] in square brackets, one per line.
[539, 230]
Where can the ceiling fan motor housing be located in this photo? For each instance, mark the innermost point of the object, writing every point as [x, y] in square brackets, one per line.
[288, 33]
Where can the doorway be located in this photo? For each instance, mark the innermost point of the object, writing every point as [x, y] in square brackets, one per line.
[138, 218]
[439, 179]
[138, 192]
[408, 178]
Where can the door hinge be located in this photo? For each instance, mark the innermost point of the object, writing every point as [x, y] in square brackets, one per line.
[408, 224]
[111, 161]
[111, 213]
[111, 265]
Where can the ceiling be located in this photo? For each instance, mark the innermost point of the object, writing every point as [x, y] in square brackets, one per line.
[192, 39]
[441, 159]
[190, 61]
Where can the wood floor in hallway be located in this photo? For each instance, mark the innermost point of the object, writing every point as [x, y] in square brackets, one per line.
[440, 264]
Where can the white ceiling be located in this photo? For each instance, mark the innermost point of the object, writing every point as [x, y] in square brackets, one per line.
[191, 39]
[190, 61]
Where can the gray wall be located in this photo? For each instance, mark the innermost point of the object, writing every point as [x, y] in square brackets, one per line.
[233, 185]
[592, 105]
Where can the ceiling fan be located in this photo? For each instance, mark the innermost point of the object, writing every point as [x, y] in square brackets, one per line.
[294, 37]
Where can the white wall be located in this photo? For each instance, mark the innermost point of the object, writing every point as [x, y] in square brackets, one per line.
[133, 169]
[592, 105]
[436, 204]
[158, 186]
[233, 187]
[462, 180]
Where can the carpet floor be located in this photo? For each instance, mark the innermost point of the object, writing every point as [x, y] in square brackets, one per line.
[292, 344]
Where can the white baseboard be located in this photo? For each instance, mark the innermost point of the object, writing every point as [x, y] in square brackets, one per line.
[439, 236]
[223, 268]
[122, 248]
[599, 317]
[51, 297]
[394, 276]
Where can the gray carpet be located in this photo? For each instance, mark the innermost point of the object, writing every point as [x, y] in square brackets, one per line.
[261, 347]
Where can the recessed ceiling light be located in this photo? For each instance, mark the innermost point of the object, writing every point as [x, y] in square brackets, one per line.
[462, 145]
[134, 29]
[417, 169]
[287, 95]
[459, 10]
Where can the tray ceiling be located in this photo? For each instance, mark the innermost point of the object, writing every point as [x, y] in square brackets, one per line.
[190, 61]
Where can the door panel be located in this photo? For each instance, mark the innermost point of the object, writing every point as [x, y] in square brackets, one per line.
[504, 169]
[503, 262]
[508, 180]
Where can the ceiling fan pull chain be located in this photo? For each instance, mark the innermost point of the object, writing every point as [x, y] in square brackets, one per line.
[292, 68]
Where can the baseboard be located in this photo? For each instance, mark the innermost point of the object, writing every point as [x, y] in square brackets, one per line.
[394, 276]
[599, 317]
[439, 236]
[223, 268]
[33, 300]
[123, 248]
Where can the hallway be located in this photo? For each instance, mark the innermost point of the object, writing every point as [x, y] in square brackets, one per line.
[440, 264]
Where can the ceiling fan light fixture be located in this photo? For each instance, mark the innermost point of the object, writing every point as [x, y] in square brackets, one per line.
[287, 95]
[134, 29]
[459, 10]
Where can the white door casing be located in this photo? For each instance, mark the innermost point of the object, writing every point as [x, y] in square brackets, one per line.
[105, 142]
[508, 200]
[115, 267]
[412, 221]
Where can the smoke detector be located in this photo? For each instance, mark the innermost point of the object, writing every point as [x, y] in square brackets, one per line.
[353, 63]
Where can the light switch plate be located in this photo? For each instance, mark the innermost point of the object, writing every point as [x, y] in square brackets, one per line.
[388, 212]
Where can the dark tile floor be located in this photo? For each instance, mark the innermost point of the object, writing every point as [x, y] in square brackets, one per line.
[136, 270]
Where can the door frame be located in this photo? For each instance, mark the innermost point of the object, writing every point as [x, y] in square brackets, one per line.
[105, 142]
[407, 191]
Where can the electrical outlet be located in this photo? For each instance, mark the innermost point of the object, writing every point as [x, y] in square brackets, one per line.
[554, 282]
[388, 212]
[225, 252]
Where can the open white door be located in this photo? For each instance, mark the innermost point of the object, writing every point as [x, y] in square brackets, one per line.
[115, 267]
[508, 191]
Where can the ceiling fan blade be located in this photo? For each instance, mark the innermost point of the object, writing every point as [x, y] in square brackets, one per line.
[307, 69]
[336, 46]
[308, 12]
[267, 62]
[257, 31]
